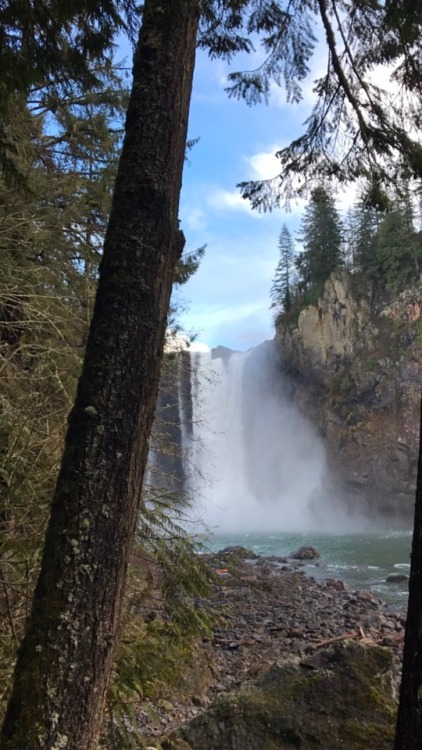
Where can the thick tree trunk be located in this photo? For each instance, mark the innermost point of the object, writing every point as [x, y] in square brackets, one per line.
[409, 719]
[65, 659]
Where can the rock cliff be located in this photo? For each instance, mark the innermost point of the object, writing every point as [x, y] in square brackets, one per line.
[355, 371]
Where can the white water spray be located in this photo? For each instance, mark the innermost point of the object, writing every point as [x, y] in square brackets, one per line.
[258, 464]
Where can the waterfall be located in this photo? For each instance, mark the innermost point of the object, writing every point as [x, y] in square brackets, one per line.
[255, 464]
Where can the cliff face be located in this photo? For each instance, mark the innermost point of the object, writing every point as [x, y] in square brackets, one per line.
[356, 372]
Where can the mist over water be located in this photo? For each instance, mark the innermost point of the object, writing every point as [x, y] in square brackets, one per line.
[258, 465]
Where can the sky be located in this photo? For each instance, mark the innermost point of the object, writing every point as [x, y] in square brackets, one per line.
[227, 302]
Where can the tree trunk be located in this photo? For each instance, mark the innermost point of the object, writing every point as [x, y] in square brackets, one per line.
[65, 659]
[409, 719]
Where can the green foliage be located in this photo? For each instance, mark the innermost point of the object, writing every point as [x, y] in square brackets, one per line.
[357, 131]
[398, 249]
[49, 251]
[386, 248]
[322, 237]
[341, 384]
[51, 237]
[163, 617]
[287, 36]
[418, 340]
[52, 54]
[189, 264]
[361, 231]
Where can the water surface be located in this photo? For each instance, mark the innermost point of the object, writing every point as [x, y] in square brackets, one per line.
[363, 560]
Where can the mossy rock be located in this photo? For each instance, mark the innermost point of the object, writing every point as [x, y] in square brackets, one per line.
[231, 558]
[236, 552]
[338, 699]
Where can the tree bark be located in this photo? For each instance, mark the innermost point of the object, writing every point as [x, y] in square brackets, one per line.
[65, 659]
[409, 719]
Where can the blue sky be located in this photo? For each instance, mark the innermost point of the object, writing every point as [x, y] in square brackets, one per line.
[227, 301]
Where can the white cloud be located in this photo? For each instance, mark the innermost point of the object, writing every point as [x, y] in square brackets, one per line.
[264, 165]
[221, 199]
[194, 218]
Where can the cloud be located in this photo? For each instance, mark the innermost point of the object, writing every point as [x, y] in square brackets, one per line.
[194, 218]
[223, 322]
[221, 199]
[264, 165]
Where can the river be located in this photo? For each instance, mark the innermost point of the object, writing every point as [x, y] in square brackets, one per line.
[362, 560]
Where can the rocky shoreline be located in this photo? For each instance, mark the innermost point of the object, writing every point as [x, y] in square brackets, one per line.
[270, 610]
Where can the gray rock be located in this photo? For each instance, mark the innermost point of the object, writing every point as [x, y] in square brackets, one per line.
[397, 578]
[304, 553]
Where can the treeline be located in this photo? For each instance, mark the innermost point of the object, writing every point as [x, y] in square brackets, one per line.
[383, 249]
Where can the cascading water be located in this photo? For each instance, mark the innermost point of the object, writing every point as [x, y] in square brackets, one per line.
[256, 464]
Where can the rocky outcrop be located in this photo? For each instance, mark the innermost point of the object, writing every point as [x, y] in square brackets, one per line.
[356, 372]
[337, 698]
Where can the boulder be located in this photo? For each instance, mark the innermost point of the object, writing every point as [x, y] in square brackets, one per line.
[304, 553]
[339, 698]
[397, 578]
[233, 554]
[238, 551]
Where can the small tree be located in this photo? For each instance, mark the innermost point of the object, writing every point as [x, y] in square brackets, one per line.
[282, 282]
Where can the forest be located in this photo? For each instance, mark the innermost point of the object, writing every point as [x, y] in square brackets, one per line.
[381, 250]
[91, 165]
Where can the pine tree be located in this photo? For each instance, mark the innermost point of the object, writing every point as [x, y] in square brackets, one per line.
[361, 228]
[98, 493]
[49, 255]
[52, 52]
[365, 231]
[398, 248]
[281, 287]
[321, 234]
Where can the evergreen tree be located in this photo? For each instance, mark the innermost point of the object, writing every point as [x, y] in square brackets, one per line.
[360, 233]
[365, 233]
[321, 234]
[51, 52]
[49, 255]
[281, 287]
[98, 493]
[398, 248]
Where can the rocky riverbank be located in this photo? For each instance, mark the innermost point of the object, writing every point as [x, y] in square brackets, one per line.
[270, 610]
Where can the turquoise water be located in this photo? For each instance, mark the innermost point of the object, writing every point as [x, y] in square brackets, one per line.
[363, 560]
